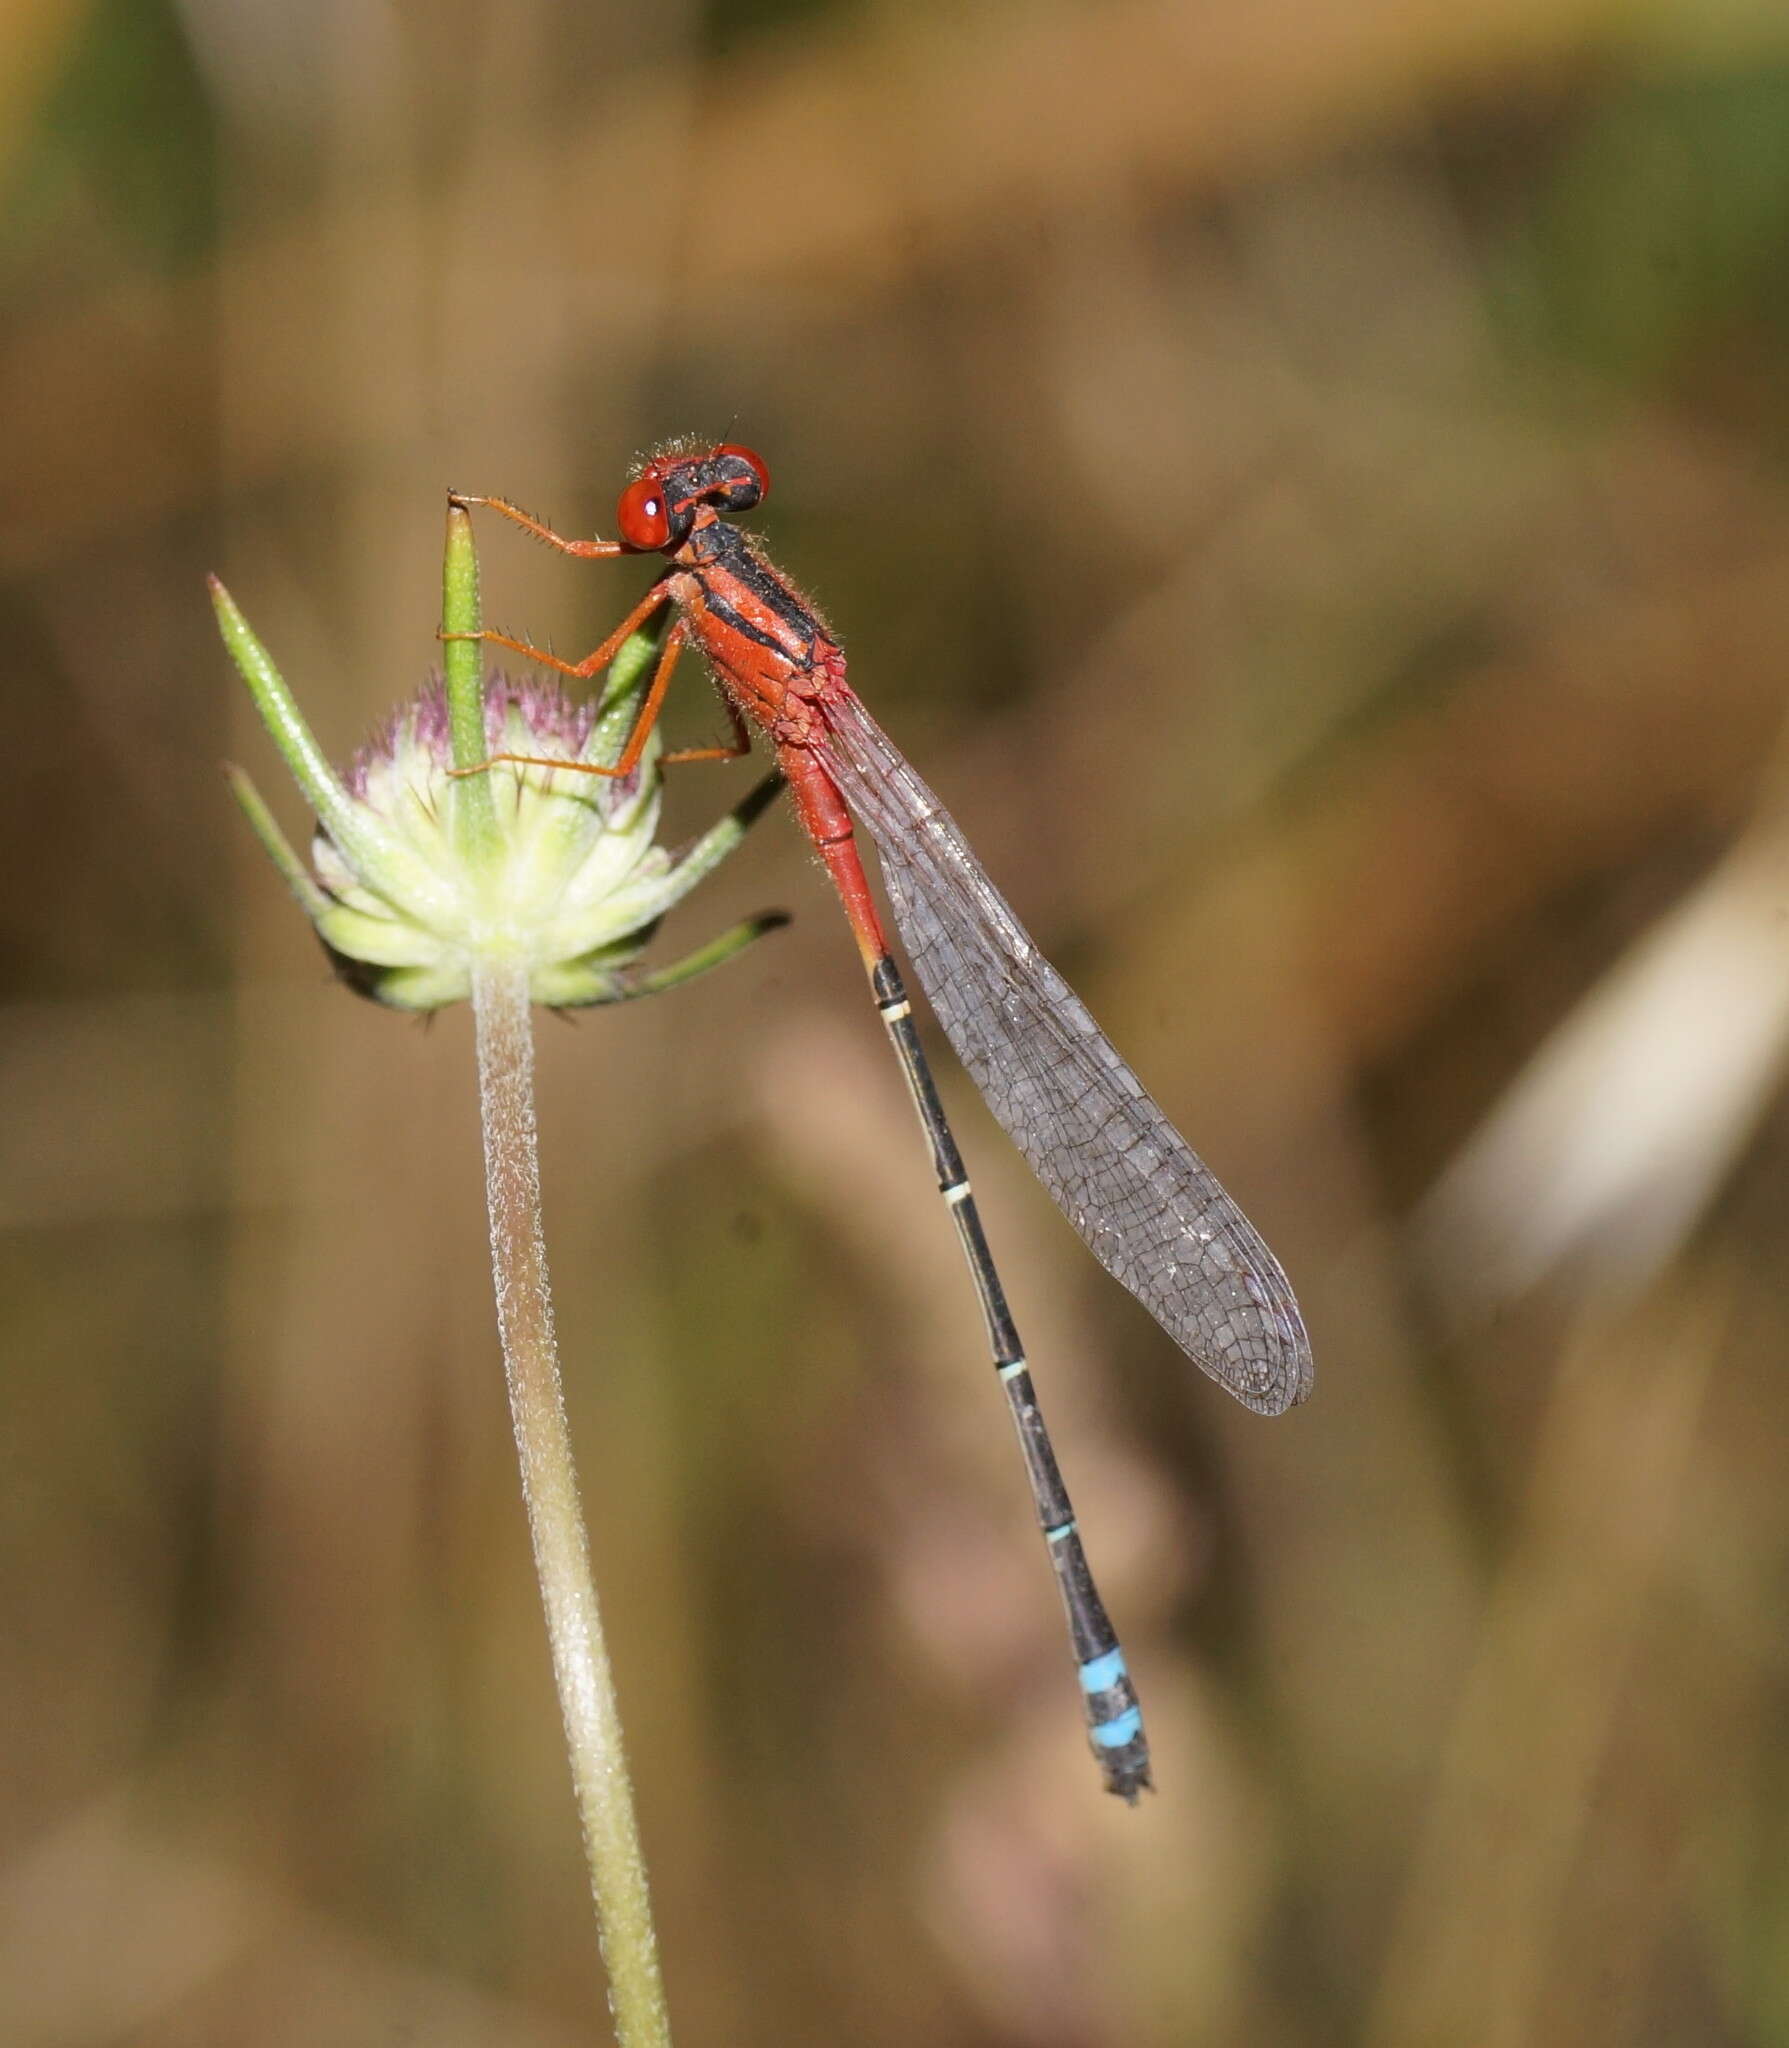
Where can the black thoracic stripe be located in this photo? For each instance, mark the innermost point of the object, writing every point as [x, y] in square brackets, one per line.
[735, 554]
[1115, 1726]
[737, 622]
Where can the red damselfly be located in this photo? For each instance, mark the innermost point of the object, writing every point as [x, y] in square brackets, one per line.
[1150, 1210]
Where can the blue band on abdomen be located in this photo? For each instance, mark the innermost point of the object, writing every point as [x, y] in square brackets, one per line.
[1100, 1672]
[1115, 1734]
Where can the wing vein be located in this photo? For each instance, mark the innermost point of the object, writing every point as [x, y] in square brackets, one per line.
[1148, 1207]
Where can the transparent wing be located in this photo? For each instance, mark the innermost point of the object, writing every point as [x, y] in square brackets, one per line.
[1152, 1212]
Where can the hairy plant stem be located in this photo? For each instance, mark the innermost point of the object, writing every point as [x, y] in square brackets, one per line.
[550, 1487]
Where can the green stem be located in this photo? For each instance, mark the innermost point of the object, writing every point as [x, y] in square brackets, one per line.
[550, 1488]
[463, 664]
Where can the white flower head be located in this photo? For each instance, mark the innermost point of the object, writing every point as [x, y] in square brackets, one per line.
[566, 873]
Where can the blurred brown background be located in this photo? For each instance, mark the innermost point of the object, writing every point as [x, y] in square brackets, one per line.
[1307, 483]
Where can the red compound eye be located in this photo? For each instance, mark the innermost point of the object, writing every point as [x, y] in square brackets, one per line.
[641, 517]
[755, 463]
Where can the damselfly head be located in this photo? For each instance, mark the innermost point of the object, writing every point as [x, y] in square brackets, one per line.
[666, 499]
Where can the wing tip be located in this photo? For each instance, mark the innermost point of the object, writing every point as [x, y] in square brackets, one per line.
[1297, 1382]
[1280, 1381]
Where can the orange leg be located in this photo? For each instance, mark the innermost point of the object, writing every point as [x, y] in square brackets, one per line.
[636, 740]
[529, 524]
[593, 663]
[742, 741]
[675, 642]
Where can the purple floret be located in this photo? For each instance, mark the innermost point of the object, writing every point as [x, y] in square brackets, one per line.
[557, 723]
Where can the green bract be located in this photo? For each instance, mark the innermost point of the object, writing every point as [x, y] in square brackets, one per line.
[559, 870]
